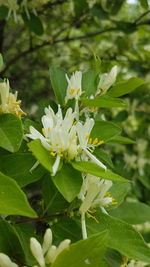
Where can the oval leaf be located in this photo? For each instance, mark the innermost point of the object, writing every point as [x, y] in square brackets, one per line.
[59, 83]
[121, 236]
[129, 212]
[41, 154]
[105, 130]
[94, 169]
[11, 132]
[104, 101]
[68, 181]
[125, 87]
[13, 201]
[90, 250]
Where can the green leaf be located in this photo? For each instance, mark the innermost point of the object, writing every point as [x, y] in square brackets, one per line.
[118, 191]
[1, 61]
[94, 169]
[11, 132]
[125, 87]
[104, 157]
[105, 130]
[90, 250]
[9, 242]
[19, 168]
[132, 212]
[121, 140]
[80, 7]
[24, 232]
[14, 202]
[104, 101]
[66, 228]
[41, 154]
[144, 3]
[33, 23]
[59, 83]
[68, 181]
[3, 12]
[121, 236]
[89, 82]
[53, 200]
[114, 258]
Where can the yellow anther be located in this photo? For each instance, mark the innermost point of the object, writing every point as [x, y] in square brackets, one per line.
[87, 136]
[92, 211]
[60, 155]
[71, 91]
[49, 128]
[57, 144]
[62, 149]
[114, 202]
[78, 90]
[100, 142]
[90, 141]
[93, 109]
[52, 154]
[107, 194]
[43, 131]
[75, 122]
[95, 142]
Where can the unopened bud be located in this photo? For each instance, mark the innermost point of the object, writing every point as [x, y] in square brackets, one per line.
[47, 241]
[50, 256]
[64, 244]
[5, 260]
[37, 251]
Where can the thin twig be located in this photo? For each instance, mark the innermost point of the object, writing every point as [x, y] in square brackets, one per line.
[66, 40]
[140, 17]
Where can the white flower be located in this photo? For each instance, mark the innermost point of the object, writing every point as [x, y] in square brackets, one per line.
[107, 79]
[9, 102]
[74, 89]
[93, 193]
[85, 142]
[5, 261]
[47, 253]
[59, 135]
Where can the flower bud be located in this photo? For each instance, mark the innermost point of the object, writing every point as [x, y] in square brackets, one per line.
[5, 260]
[37, 252]
[47, 240]
[50, 256]
[64, 244]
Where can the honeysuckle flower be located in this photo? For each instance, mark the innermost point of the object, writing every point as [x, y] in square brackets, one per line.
[93, 193]
[5, 261]
[65, 139]
[107, 80]
[59, 135]
[85, 142]
[74, 89]
[47, 253]
[9, 102]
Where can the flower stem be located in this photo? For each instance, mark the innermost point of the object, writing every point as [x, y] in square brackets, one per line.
[83, 223]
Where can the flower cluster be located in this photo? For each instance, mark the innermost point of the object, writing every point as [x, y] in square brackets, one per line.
[44, 255]
[9, 102]
[65, 137]
[94, 193]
